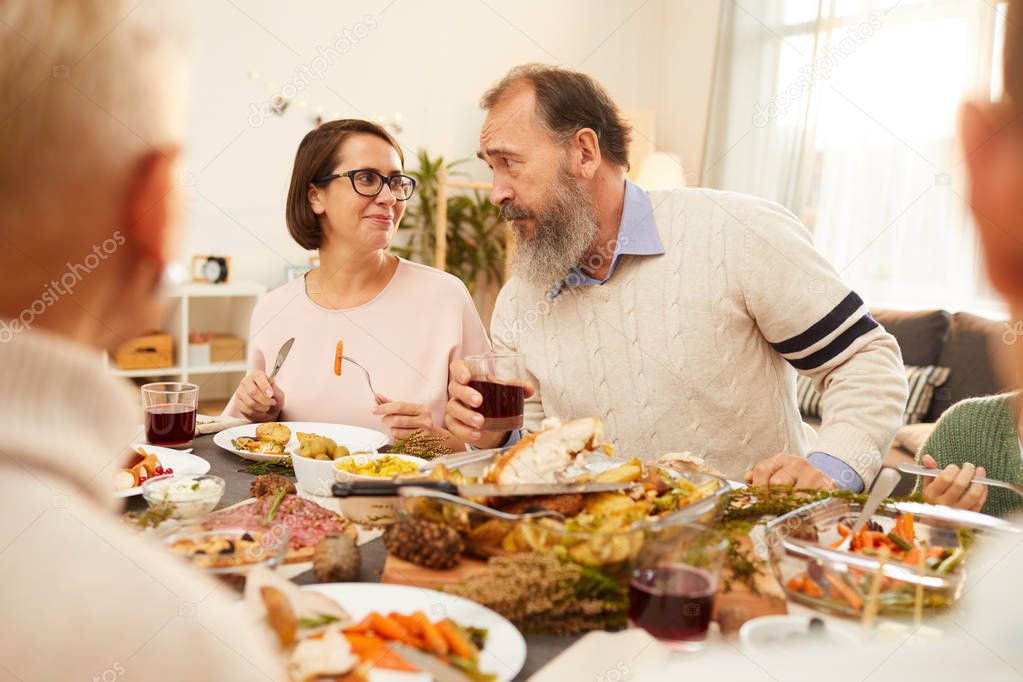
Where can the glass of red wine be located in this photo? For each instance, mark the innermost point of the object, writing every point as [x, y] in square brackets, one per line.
[674, 581]
[500, 378]
[170, 413]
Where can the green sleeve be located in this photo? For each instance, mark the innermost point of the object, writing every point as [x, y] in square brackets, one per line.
[941, 444]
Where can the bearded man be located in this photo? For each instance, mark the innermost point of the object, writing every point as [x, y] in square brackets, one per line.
[678, 318]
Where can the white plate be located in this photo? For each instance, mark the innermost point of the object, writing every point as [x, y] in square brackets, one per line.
[505, 652]
[355, 438]
[180, 461]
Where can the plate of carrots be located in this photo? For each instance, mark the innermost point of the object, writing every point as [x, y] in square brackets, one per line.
[470, 638]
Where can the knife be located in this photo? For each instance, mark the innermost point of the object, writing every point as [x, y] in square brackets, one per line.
[391, 488]
[282, 355]
[437, 669]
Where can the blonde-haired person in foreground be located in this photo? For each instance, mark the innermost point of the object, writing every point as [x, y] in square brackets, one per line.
[92, 120]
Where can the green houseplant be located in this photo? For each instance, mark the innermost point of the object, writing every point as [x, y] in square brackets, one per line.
[475, 231]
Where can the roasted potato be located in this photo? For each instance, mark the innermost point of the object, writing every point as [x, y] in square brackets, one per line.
[485, 540]
[272, 431]
[626, 473]
[269, 447]
[316, 446]
[609, 504]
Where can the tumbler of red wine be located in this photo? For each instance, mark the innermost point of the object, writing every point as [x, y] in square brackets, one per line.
[674, 580]
[170, 413]
[500, 378]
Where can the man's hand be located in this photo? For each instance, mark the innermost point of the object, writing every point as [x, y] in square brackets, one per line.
[788, 470]
[461, 416]
[952, 487]
[259, 399]
[404, 419]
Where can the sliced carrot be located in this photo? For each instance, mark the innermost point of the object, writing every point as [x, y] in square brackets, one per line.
[935, 551]
[375, 650]
[388, 628]
[907, 527]
[843, 529]
[460, 645]
[407, 622]
[845, 592]
[812, 589]
[362, 627]
[434, 640]
[836, 543]
[912, 556]
[338, 352]
[796, 582]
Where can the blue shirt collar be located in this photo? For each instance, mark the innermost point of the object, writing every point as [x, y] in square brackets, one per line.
[637, 236]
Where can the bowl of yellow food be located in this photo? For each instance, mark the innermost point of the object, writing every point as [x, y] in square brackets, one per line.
[373, 511]
[373, 467]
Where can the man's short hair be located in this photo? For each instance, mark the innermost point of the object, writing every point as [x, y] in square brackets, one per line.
[88, 86]
[568, 101]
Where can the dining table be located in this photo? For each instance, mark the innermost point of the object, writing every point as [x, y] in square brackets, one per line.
[541, 649]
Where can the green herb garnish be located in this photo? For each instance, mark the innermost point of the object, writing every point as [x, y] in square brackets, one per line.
[317, 620]
[420, 444]
[280, 466]
[151, 518]
[276, 502]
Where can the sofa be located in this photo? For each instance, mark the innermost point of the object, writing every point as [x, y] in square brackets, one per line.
[971, 346]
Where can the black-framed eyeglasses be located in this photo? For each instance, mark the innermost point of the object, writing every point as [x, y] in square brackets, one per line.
[370, 183]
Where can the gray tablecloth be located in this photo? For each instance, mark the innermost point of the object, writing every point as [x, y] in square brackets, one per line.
[540, 648]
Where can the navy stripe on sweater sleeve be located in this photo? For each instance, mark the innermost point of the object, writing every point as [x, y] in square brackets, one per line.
[841, 342]
[823, 327]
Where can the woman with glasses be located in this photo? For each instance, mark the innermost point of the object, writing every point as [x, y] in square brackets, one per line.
[402, 321]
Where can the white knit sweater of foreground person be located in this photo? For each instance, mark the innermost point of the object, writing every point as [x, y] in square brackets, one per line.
[697, 349]
[85, 597]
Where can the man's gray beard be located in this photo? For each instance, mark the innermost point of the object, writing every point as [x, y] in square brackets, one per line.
[566, 229]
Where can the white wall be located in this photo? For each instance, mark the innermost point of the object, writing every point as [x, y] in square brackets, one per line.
[430, 61]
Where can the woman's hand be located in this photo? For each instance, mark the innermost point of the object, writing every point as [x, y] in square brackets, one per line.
[259, 398]
[403, 419]
[953, 487]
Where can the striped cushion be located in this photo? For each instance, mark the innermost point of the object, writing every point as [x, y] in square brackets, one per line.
[922, 382]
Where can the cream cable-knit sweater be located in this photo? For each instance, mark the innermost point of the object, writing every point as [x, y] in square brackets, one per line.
[85, 597]
[696, 349]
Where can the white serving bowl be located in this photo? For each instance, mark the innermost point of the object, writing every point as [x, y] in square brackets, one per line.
[315, 476]
[368, 511]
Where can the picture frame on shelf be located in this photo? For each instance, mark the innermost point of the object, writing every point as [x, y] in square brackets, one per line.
[211, 269]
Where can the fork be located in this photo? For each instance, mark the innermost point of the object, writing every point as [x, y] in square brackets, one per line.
[376, 397]
[918, 470]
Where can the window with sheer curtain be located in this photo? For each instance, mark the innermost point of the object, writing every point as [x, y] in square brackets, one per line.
[845, 112]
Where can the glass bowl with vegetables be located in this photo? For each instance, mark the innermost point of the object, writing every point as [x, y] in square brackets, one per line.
[909, 558]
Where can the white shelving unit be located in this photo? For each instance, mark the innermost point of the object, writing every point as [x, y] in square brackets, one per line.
[217, 308]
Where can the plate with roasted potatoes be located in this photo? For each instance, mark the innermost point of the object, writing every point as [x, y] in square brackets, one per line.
[272, 441]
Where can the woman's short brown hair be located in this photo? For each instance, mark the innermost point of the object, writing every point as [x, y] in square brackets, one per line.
[318, 155]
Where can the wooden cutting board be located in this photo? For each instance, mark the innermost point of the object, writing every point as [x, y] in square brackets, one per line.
[406, 573]
[734, 607]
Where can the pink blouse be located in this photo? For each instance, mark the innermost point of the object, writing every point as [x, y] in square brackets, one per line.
[406, 337]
